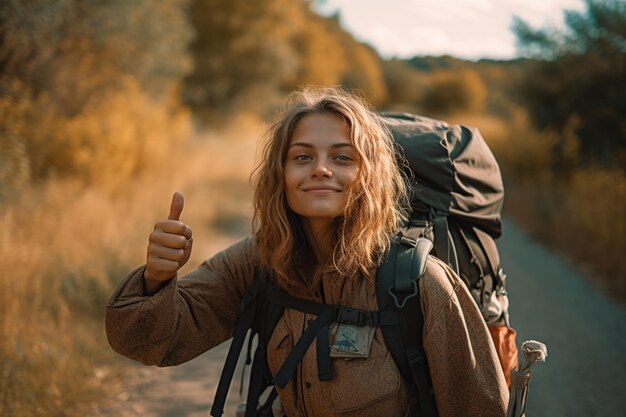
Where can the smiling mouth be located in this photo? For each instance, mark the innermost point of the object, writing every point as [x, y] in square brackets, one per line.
[321, 190]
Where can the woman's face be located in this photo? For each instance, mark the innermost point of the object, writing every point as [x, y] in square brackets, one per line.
[321, 165]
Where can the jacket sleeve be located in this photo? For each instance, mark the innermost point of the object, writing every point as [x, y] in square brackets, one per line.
[464, 367]
[186, 317]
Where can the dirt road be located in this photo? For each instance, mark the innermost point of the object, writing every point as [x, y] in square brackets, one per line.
[585, 374]
[584, 330]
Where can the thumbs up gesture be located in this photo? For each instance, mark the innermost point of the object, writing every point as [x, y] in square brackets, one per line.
[169, 247]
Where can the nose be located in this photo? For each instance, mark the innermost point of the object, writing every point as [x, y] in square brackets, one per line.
[321, 169]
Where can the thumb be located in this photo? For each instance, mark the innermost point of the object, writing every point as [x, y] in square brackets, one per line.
[178, 201]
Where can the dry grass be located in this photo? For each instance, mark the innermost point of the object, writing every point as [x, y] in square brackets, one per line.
[582, 216]
[582, 213]
[63, 247]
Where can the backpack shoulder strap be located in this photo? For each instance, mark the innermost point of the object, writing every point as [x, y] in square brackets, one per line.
[491, 252]
[397, 290]
[245, 322]
[444, 244]
[260, 374]
[408, 260]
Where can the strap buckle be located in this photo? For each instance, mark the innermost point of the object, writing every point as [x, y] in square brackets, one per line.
[409, 296]
[407, 241]
[352, 316]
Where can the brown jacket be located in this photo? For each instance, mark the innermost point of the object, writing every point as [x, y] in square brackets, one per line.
[198, 311]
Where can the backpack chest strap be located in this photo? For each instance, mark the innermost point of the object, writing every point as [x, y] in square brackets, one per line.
[319, 328]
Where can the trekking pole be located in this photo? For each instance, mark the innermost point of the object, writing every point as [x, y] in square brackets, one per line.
[532, 351]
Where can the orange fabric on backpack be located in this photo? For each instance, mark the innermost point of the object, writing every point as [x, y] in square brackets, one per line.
[504, 341]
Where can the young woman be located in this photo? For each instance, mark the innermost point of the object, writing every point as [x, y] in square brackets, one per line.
[328, 198]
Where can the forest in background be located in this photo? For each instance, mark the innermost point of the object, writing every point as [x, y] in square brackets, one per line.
[99, 101]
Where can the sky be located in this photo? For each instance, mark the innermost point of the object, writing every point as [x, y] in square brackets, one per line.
[470, 29]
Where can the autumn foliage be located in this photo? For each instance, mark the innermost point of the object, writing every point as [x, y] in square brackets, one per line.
[89, 90]
[96, 95]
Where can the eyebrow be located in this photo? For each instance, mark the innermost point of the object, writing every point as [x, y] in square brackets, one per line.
[309, 145]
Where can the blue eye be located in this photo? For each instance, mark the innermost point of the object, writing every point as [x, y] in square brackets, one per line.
[302, 157]
[343, 158]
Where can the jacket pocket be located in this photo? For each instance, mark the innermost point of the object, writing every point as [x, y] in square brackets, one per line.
[363, 382]
[279, 346]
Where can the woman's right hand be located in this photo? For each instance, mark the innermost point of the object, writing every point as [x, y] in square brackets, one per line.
[169, 247]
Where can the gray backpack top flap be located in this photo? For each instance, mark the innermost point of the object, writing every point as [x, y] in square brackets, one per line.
[453, 169]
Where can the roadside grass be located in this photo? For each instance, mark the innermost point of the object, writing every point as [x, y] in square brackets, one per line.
[64, 247]
[582, 217]
[579, 212]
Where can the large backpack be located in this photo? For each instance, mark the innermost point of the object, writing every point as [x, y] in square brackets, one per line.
[456, 200]
[457, 197]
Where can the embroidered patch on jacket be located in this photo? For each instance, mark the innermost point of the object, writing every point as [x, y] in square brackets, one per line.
[350, 341]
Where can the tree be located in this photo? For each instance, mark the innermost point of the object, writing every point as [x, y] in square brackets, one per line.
[579, 79]
[90, 89]
[454, 91]
[241, 45]
[322, 59]
[404, 83]
[365, 73]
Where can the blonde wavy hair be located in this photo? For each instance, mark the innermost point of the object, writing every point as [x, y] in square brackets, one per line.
[376, 203]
